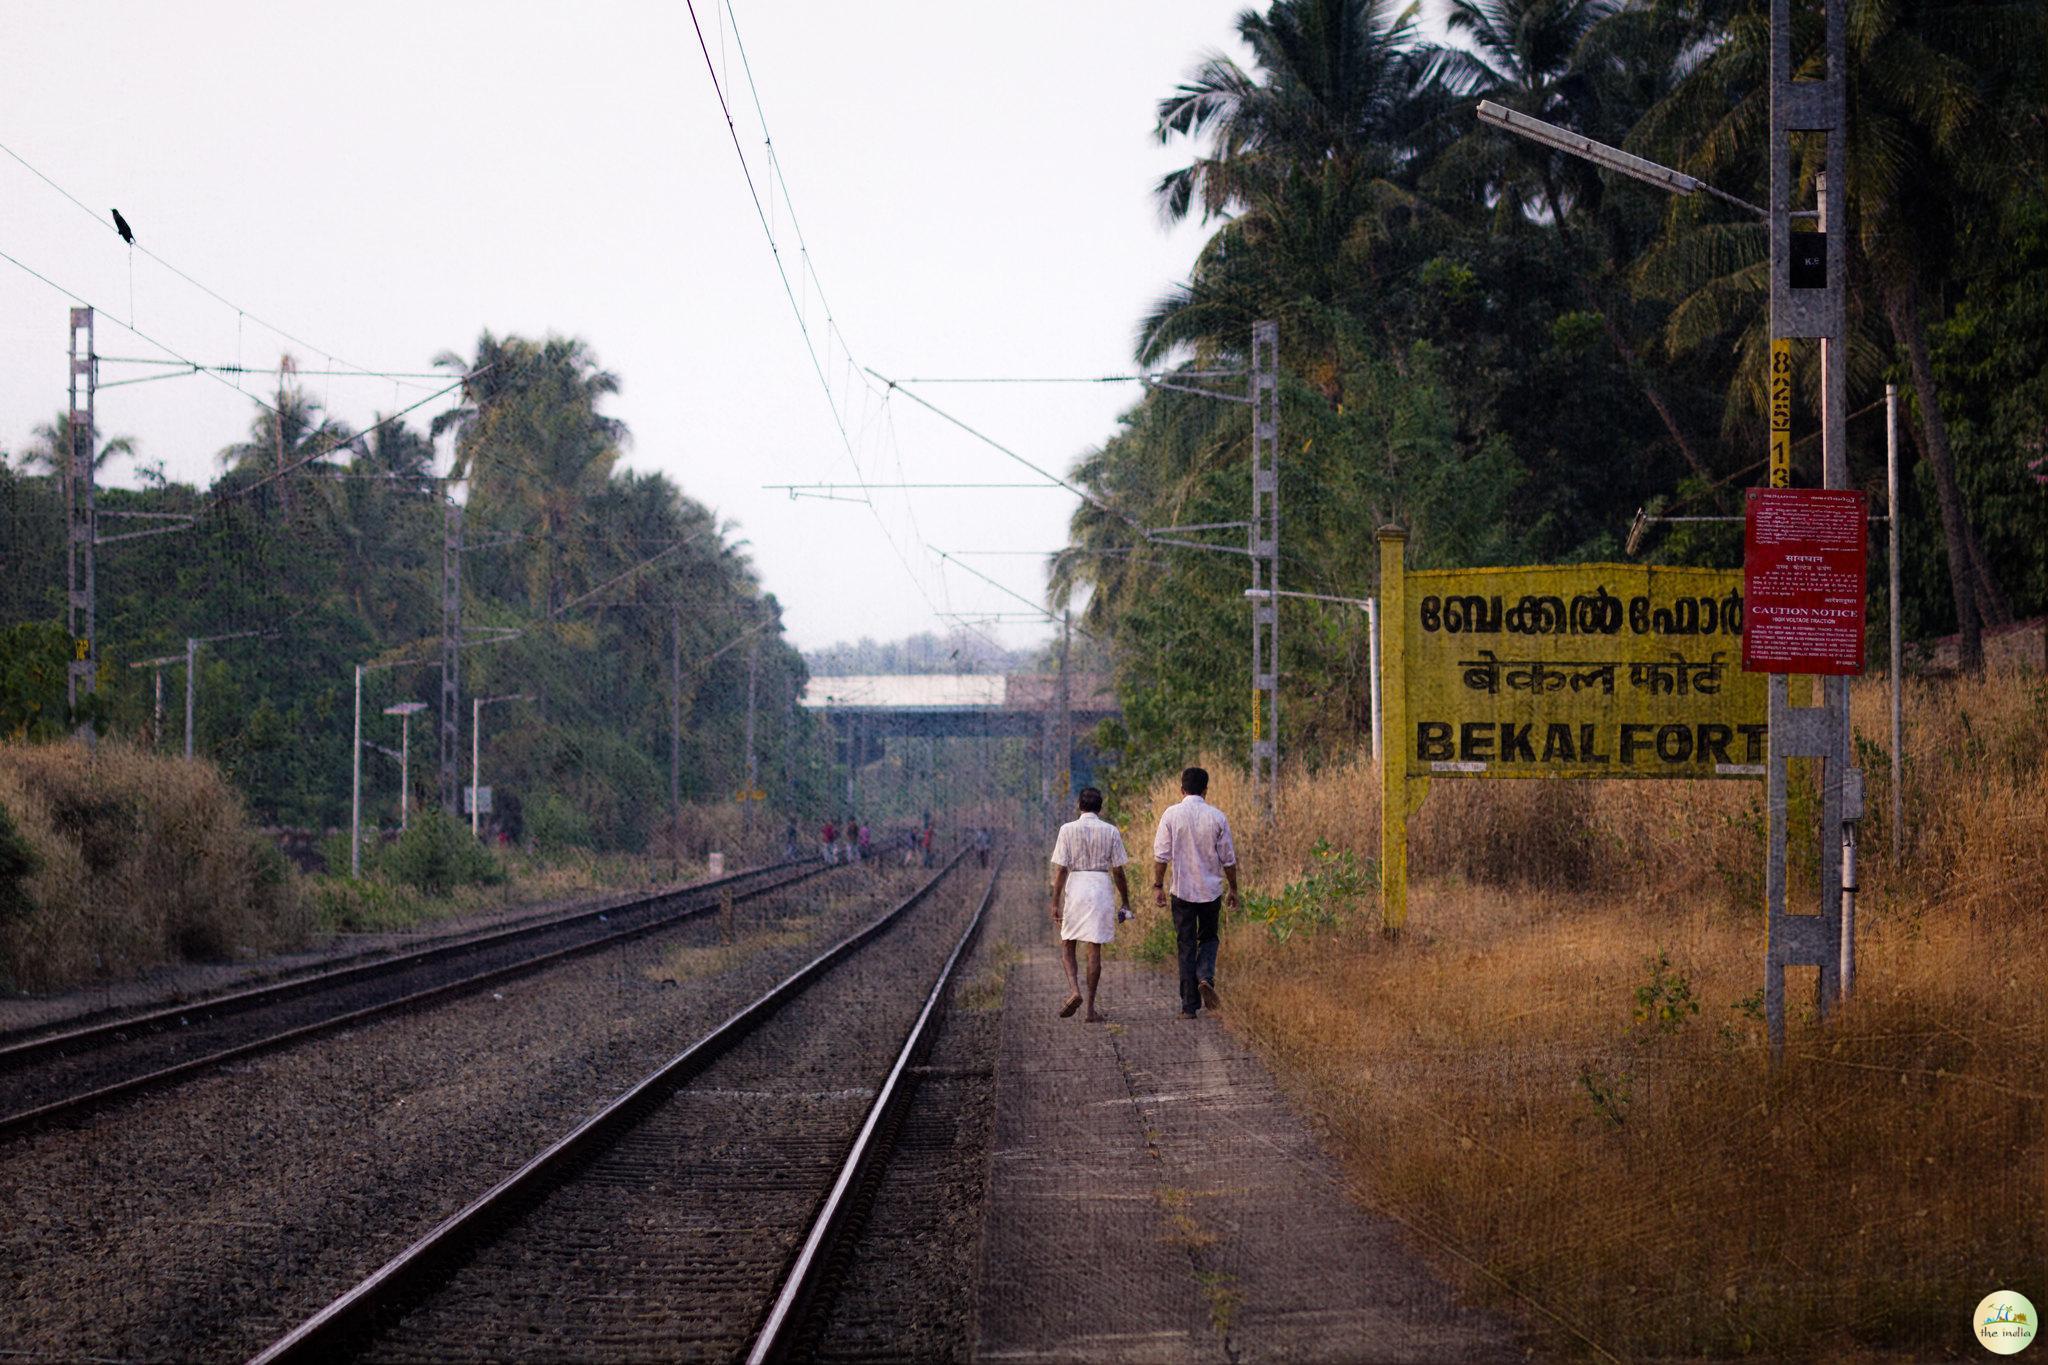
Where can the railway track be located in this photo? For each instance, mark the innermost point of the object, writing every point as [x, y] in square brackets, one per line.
[64, 1075]
[693, 1216]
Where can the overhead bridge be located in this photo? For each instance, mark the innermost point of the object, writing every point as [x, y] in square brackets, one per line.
[867, 710]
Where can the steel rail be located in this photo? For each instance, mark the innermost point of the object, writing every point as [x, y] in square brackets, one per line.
[800, 1284]
[327, 1335]
[74, 1106]
[16, 1054]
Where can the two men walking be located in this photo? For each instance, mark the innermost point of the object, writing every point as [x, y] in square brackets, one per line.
[1193, 842]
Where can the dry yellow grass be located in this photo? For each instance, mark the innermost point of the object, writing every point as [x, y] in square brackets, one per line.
[143, 860]
[1625, 1188]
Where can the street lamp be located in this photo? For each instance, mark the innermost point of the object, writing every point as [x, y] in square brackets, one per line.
[190, 658]
[476, 748]
[1372, 640]
[405, 711]
[1601, 155]
[355, 760]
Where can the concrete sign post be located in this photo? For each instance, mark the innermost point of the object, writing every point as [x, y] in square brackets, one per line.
[1809, 263]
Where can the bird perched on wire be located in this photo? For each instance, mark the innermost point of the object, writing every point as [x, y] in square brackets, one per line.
[121, 226]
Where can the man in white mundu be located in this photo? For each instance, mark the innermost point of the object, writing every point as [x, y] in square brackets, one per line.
[1089, 893]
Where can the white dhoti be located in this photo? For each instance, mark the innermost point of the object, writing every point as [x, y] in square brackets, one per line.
[1089, 910]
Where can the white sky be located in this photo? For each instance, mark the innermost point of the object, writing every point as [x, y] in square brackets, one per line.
[386, 180]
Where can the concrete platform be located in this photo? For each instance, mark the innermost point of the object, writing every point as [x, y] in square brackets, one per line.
[1153, 1198]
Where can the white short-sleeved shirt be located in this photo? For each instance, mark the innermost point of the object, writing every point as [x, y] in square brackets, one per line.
[1089, 844]
[1195, 837]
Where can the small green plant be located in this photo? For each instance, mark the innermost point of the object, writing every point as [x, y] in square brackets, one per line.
[1321, 899]
[1609, 1094]
[1665, 1001]
[1157, 944]
[437, 855]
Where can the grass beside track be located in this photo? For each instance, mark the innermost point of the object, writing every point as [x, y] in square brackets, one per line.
[1557, 1077]
[379, 904]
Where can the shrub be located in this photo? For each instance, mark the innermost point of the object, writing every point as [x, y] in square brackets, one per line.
[139, 859]
[1327, 895]
[18, 862]
[553, 824]
[436, 855]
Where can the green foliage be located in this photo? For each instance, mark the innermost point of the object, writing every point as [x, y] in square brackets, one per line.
[18, 862]
[1665, 1001]
[369, 905]
[553, 824]
[33, 655]
[1610, 1093]
[590, 566]
[436, 855]
[1157, 944]
[1509, 352]
[1325, 896]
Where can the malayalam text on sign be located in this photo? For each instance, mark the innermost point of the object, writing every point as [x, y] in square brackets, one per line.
[1805, 553]
[1592, 670]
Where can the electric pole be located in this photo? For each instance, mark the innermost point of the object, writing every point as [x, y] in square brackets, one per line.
[753, 765]
[1262, 546]
[1064, 704]
[1808, 268]
[81, 673]
[675, 720]
[451, 653]
[1265, 552]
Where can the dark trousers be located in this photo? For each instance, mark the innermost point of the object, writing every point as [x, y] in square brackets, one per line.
[1194, 933]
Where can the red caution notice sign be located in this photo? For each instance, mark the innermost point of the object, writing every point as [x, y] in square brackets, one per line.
[1805, 551]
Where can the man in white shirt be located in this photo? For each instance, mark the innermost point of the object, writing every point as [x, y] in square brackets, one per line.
[1194, 840]
[1088, 861]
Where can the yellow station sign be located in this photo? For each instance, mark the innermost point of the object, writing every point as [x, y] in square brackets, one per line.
[1587, 670]
[1560, 671]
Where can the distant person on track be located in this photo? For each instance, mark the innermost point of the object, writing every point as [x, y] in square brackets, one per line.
[927, 844]
[866, 845]
[1194, 840]
[981, 846]
[830, 837]
[790, 851]
[1089, 894]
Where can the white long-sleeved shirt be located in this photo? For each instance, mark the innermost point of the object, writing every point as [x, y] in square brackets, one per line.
[1194, 836]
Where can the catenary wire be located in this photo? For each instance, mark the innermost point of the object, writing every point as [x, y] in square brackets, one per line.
[202, 288]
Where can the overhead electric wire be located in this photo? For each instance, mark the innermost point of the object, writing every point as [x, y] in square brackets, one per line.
[197, 368]
[202, 288]
[1029, 379]
[782, 272]
[990, 441]
[1046, 613]
[129, 327]
[272, 369]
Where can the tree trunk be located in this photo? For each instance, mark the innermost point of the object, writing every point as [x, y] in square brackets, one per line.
[1664, 414]
[1902, 306]
[1637, 371]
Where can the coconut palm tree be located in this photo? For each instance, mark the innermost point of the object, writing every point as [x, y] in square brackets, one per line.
[535, 449]
[1335, 86]
[51, 448]
[1309, 158]
[289, 434]
[1930, 95]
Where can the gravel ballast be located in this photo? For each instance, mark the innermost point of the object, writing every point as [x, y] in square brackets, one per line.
[205, 1221]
